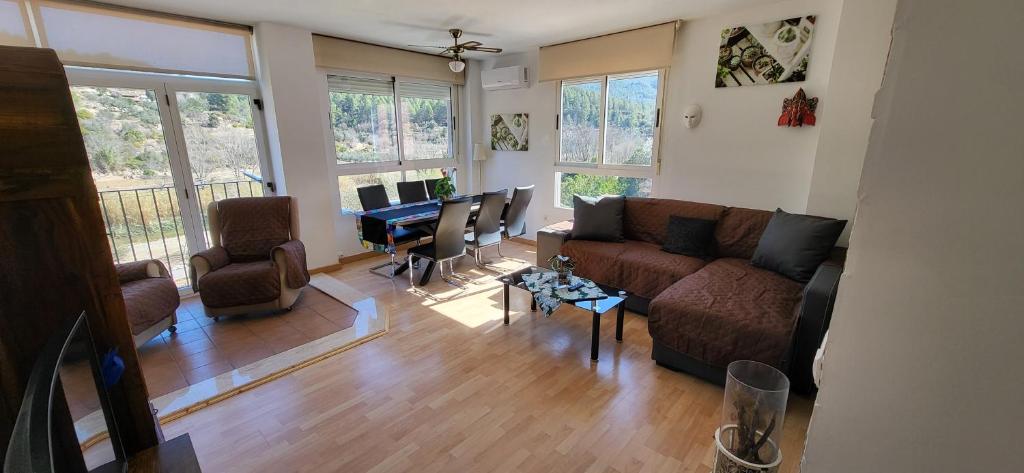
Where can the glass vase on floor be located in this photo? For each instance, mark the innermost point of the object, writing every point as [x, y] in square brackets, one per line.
[749, 437]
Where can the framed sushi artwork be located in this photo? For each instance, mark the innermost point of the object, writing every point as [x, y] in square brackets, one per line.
[510, 132]
[765, 53]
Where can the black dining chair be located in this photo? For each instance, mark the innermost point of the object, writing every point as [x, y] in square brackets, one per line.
[410, 192]
[373, 197]
[514, 220]
[449, 239]
[432, 188]
[486, 229]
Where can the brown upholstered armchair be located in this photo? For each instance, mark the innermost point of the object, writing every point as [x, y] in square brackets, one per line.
[256, 262]
[150, 298]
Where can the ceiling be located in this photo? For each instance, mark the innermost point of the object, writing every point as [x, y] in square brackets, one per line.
[516, 26]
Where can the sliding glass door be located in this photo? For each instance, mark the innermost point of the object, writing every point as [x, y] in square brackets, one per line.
[218, 134]
[161, 149]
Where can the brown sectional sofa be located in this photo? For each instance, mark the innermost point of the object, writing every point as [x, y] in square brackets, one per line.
[702, 314]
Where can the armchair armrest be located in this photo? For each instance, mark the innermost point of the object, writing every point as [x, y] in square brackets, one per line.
[815, 316]
[290, 259]
[550, 239]
[136, 270]
[206, 261]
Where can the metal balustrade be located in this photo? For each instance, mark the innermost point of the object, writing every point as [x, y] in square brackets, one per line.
[146, 223]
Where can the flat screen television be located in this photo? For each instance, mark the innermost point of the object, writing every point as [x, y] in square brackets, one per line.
[66, 373]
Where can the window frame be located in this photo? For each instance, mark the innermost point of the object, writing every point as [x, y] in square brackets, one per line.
[402, 164]
[600, 168]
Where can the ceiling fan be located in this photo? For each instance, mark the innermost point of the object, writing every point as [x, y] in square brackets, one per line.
[457, 64]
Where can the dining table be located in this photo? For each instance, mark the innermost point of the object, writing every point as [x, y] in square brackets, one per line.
[376, 228]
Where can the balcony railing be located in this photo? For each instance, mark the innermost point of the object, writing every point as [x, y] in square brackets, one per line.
[146, 223]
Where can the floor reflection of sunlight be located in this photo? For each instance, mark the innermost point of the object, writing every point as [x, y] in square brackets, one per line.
[462, 310]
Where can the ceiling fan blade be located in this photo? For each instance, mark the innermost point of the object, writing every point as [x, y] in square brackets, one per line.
[427, 46]
[485, 50]
[471, 44]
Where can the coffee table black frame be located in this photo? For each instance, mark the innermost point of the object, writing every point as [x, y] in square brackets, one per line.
[613, 299]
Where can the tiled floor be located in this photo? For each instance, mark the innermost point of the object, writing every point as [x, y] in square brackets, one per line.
[202, 348]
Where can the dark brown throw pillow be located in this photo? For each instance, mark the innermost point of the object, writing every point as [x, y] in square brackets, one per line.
[690, 236]
[598, 219]
[795, 245]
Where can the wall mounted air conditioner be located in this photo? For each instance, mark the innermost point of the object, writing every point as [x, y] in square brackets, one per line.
[513, 77]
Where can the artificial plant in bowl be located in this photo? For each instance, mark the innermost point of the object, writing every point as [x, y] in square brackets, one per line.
[563, 265]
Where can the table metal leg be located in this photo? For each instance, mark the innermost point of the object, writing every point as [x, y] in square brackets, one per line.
[428, 269]
[402, 267]
[595, 334]
[505, 303]
[619, 318]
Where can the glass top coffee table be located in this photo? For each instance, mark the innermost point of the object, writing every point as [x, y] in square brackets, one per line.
[596, 299]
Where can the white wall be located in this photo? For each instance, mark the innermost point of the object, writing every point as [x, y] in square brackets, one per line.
[738, 155]
[287, 77]
[922, 369]
[510, 169]
[859, 61]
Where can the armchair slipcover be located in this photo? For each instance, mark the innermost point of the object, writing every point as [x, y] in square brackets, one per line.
[256, 261]
[150, 298]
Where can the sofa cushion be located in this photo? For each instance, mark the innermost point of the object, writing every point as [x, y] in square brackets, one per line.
[690, 236]
[240, 284]
[727, 311]
[598, 219]
[646, 219]
[739, 230]
[645, 270]
[251, 226]
[795, 245]
[148, 301]
[596, 260]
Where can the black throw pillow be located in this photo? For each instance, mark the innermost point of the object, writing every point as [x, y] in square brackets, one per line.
[598, 219]
[795, 245]
[689, 236]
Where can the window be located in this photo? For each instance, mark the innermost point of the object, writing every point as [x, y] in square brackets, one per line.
[581, 122]
[426, 121]
[608, 122]
[363, 119]
[632, 111]
[589, 185]
[348, 184]
[388, 130]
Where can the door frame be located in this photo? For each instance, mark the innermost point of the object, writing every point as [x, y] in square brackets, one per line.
[170, 122]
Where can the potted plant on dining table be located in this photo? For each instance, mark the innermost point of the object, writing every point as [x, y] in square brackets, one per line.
[445, 189]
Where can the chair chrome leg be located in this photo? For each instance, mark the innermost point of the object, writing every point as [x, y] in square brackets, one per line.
[477, 257]
[452, 278]
[392, 264]
[499, 250]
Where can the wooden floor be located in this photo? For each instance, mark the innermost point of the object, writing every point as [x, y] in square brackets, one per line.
[450, 389]
[201, 348]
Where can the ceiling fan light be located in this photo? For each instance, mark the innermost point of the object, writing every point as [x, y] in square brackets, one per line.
[456, 65]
